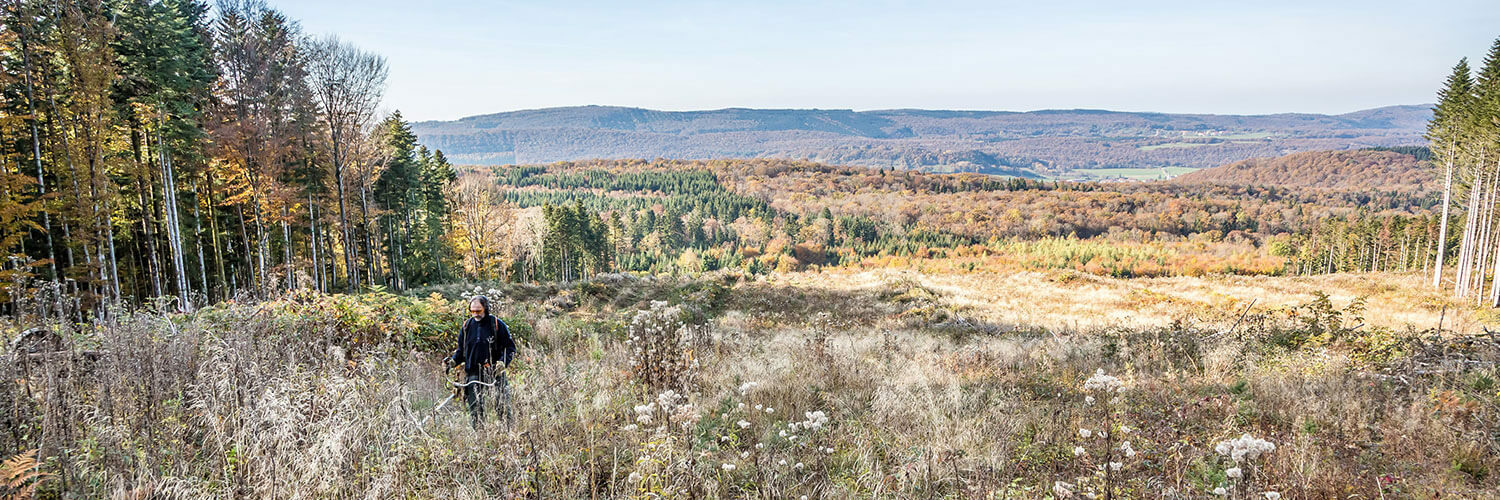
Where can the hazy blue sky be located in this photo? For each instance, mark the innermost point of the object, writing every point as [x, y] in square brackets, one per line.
[451, 59]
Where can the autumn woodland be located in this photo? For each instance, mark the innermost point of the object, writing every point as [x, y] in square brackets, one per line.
[229, 270]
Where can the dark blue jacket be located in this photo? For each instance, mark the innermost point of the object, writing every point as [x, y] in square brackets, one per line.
[486, 340]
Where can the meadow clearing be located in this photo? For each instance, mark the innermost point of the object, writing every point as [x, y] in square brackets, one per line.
[874, 384]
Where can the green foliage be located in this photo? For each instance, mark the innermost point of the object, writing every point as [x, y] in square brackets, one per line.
[1317, 322]
[413, 189]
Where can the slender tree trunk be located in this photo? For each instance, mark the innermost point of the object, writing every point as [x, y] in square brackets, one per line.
[213, 228]
[198, 244]
[36, 150]
[312, 242]
[1464, 250]
[1494, 299]
[286, 248]
[351, 270]
[174, 226]
[1486, 234]
[372, 265]
[390, 252]
[262, 247]
[148, 214]
[239, 211]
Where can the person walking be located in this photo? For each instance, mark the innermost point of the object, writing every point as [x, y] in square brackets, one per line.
[485, 347]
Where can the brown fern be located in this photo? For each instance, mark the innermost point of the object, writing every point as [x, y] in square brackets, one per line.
[20, 475]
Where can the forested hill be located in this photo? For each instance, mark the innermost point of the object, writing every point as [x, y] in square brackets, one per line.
[1401, 169]
[1037, 143]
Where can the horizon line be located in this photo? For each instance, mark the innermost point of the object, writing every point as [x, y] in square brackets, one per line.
[877, 110]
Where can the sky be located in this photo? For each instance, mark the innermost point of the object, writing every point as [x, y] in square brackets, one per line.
[450, 59]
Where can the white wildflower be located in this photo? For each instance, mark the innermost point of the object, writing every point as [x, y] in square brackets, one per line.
[1220, 491]
[1102, 382]
[1088, 399]
[743, 424]
[1234, 473]
[799, 466]
[728, 467]
[770, 410]
[760, 446]
[1115, 466]
[1062, 490]
[1078, 451]
[635, 477]
[1085, 433]
[1271, 495]
[630, 427]
[744, 454]
[1244, 447]
[815, 419]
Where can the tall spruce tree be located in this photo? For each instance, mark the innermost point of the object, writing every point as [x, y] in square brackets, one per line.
[1449, 118]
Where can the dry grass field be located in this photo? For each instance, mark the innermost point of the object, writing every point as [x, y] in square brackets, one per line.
[889, 384]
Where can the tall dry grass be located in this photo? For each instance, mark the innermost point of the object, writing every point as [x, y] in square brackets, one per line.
[756, 389]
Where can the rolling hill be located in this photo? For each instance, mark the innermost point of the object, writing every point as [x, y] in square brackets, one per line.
[1049, 143]
[1362, 169]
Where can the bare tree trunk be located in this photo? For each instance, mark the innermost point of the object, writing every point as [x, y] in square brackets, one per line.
[312, 242]
[174, 228]
[1481, 243]
[351, 270]
[198, 243]
[1494, 299]
[213, 228]
[1437, 270]
[148, 214]
[1460, 284]
[372, 264]
[262, 247]
[36, 151]
[1487, 231]
[239, 211]
[286, 249]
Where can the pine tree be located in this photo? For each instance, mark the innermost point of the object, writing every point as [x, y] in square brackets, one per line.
[1448, 120]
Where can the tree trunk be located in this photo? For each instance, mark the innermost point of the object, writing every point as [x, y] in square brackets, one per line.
[36, 154]
[198, 244]
[372, 265]
[148, 213]
[239, 211]
[312, 242]
[213, 228]
[351, 270]
[1470, 216]
[286, 249]
[174, 227]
